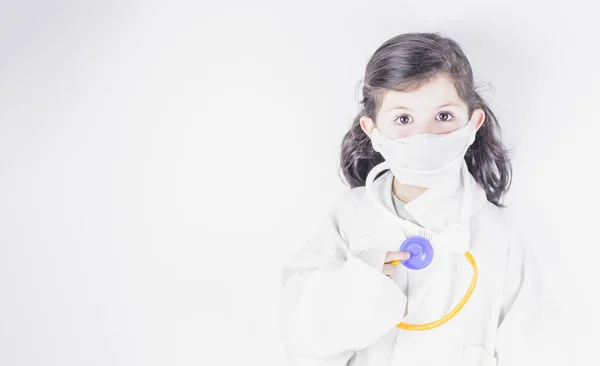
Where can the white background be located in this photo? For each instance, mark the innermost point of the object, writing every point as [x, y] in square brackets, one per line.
[160, 160]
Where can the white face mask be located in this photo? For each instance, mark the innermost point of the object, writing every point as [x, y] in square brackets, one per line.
[426, 160]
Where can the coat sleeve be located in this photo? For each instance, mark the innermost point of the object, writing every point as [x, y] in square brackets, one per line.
[531, 328]
[333, 302]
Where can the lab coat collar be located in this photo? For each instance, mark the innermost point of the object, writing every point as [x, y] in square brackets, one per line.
[435, 208]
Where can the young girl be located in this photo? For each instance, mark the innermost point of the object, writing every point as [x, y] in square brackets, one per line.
[427, 171]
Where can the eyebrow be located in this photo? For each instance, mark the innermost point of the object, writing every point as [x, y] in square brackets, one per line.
[408, 109]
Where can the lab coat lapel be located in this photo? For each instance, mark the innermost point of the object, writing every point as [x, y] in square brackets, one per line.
[434, 209]
[430, 290]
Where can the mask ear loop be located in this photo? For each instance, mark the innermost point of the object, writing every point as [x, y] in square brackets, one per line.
[411, 227]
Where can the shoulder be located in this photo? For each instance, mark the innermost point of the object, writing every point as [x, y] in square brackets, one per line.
[497, 233]
[347, 203]
[492, 219]
[344, 205]
[353, 212]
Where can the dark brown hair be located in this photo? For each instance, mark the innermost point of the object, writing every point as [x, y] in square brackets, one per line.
[405, 63]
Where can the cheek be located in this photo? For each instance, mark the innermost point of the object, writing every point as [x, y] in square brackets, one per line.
[396, 132]
[443, 127]
[405, 133]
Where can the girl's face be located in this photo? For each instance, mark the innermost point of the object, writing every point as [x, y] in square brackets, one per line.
[434, 108]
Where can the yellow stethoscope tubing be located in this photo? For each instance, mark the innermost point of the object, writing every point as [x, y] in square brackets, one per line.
[457, 308]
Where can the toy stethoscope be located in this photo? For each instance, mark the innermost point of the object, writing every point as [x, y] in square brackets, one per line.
[420, 248]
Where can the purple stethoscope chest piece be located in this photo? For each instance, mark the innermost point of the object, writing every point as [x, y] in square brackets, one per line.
[421, 252]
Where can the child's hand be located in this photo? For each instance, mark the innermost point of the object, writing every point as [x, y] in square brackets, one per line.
[392, 259]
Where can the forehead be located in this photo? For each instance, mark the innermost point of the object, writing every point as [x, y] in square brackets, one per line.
[429, 96]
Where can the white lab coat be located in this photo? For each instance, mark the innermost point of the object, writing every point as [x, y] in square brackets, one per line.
[336, 307]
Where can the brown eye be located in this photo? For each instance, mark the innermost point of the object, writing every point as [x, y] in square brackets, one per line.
[446, 119]
[403, 119]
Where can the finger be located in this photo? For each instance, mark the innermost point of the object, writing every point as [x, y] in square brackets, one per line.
[396, 256]
[389, 269]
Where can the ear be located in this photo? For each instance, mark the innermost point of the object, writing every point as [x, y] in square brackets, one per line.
[367, 125]
[478, 117]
